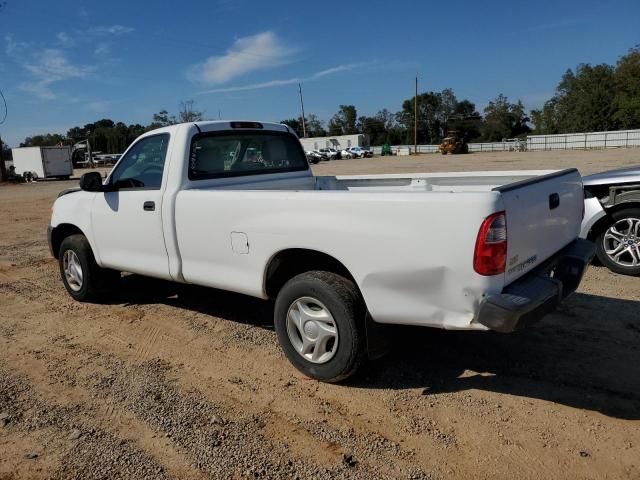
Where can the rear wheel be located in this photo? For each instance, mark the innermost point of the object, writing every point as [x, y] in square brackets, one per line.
[319, 319]
[618, 246]
[82, 277]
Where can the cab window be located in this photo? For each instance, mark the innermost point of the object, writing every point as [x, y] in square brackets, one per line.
[143, 164]
[231, 154]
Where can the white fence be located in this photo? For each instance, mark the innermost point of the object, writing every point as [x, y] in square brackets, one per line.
[510, 146]
[506, 146]
[568, 141]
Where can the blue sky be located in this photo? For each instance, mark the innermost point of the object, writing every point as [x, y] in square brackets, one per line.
[67, 63]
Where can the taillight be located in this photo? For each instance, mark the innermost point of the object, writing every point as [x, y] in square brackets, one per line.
[490, 256]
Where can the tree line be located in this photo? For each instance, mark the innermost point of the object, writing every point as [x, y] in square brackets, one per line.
[591, 98]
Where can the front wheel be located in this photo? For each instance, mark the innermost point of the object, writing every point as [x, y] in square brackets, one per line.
[82, 277]
[618, 246]
[319, 319]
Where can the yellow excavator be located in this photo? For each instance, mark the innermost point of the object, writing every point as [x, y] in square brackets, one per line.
[453, 144]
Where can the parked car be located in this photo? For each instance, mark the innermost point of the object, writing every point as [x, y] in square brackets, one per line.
[346, 154]
[339, 255]
[331, 153]
[323, 156]
[360, 152]
[612, 218]
[313, 157]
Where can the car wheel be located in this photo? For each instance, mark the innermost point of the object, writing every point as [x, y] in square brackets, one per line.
[319, 318]
[618, 245]
[82, 277]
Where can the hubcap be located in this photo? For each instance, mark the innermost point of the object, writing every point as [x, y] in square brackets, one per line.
[72, 270]
[312, 330]
[621, 242]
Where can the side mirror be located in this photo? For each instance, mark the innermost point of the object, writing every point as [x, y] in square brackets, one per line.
[91, 182]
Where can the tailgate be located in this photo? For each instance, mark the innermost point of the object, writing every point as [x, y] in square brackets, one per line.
[543, 215]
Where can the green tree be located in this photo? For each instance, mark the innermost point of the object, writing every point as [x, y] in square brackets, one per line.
[503, 119]
[344, 122]
[162, 119]
[76, 134]
[627, 90]
[313, 126]
[435, 111]
[5, 154]
[188, 113]
[466, 121]
[585, 100]
[295, 124]
[374, 128]
[45, 140]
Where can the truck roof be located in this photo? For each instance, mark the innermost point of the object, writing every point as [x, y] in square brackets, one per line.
[217, 125]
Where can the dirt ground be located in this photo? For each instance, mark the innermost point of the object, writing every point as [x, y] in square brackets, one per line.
[168, 382]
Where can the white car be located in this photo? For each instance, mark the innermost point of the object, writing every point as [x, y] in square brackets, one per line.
[360, 152]
[346, 154]
[331, 153]
[339, 255]
[612, 218]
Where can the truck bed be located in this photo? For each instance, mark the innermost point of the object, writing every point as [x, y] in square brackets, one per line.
[428, 182]
[416, 182]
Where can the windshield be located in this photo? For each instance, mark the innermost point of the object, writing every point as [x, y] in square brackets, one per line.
[231, 154]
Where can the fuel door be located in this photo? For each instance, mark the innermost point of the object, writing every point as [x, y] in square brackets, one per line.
[240, 243]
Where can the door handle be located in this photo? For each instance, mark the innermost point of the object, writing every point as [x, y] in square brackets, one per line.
[149, 206]
[554, 201]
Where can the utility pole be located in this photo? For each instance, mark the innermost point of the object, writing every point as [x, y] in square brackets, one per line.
[415, 120]
[304, 126]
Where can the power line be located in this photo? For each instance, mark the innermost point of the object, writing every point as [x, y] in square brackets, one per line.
[304, 126]
[6, 110]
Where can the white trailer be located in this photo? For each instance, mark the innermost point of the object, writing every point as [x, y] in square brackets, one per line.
[339, 142]
[43, 162]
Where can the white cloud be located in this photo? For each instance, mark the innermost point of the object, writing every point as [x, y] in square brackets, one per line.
[12, 46]
[99, 106]
[288, 81]
[113, 30]
[102, 49]
[255, 86]
[339, 68]
[64, 40]
[51, 66]
[256, 52]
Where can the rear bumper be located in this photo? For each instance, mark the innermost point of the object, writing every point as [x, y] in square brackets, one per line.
[539, 292]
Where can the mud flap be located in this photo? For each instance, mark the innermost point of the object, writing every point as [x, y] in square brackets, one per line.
[378, 338]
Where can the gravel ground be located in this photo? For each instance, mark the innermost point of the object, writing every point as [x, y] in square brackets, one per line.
[167, 382]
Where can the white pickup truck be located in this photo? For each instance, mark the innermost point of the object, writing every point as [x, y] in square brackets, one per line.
[234, 206]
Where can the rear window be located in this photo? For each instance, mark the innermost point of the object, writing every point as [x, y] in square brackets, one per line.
[231, 154]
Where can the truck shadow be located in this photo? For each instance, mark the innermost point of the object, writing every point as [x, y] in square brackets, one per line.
[139, 290]
[586, 356]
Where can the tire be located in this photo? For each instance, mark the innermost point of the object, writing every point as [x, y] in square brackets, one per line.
[345, 352]
[627, 223]
[88, 282]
